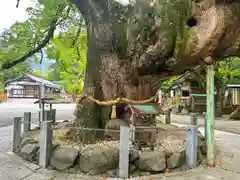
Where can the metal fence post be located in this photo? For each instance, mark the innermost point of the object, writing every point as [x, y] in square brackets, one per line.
[193, 117]
[27, 122]
[191, 150]
[46, 135]
[167, 116]
[16, 134]
[124, 151]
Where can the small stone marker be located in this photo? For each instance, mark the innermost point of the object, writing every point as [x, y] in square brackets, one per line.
[27, 122]
[46, 135]
[16, 134]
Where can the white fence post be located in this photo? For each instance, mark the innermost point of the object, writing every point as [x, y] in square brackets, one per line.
[16, 134]
[124, 151]
[191, 150]
[46, 135]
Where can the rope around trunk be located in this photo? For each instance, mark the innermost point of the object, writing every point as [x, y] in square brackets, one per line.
[113, 102]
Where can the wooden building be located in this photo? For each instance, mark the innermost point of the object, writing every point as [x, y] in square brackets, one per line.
[232, 95]
[189, 91]
[28, 86]
[231, 101]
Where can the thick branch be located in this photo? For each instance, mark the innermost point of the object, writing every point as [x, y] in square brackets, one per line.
[17, 3]
[37, 49]
[50, 33]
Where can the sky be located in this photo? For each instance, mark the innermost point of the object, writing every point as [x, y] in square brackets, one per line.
[9, 14]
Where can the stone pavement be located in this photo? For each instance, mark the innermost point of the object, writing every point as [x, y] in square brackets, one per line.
[6, 134]
[13, 167]
[220, 123]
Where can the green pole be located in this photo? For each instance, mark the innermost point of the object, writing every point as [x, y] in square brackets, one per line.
[210, 115]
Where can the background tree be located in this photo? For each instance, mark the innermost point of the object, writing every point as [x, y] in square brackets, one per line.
[69, 49]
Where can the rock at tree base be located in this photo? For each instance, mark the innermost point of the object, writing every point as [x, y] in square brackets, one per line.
[133, 155]
[29, 152]
[114, 124]
[27, 140]
[98, 160]
[64, 158]
[176, 160]
[151, 161]
[132, 168]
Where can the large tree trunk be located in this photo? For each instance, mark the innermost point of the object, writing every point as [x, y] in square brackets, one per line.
[89, 114]
[109, 72]
[131, 49]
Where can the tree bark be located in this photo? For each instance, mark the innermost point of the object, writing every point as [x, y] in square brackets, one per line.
[89, 114]
[128, 55]
[219, 102]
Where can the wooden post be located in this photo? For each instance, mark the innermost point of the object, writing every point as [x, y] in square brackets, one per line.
[124, 151]
[16, 134]
[167, 116]
[210, 114]
[27, 122]
[46, 135]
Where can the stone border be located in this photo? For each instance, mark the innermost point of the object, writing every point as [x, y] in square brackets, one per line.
[45, 154]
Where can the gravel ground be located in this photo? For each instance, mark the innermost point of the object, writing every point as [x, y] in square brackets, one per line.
[165, 141]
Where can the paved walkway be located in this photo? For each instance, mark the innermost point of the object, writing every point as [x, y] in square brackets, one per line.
[220, 123]
[13, 167]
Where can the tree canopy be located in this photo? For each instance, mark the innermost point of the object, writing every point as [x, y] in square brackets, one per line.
[59, 26]
[50, 25]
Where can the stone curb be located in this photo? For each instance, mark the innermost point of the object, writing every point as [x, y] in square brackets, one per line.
[34, 168]
[157, 176]
[31, 166]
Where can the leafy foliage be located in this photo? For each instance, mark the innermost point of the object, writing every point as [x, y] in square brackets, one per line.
[229, 70]
[168, 83]
[68, 47]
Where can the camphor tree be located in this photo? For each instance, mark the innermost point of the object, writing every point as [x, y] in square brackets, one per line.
[130, 48]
